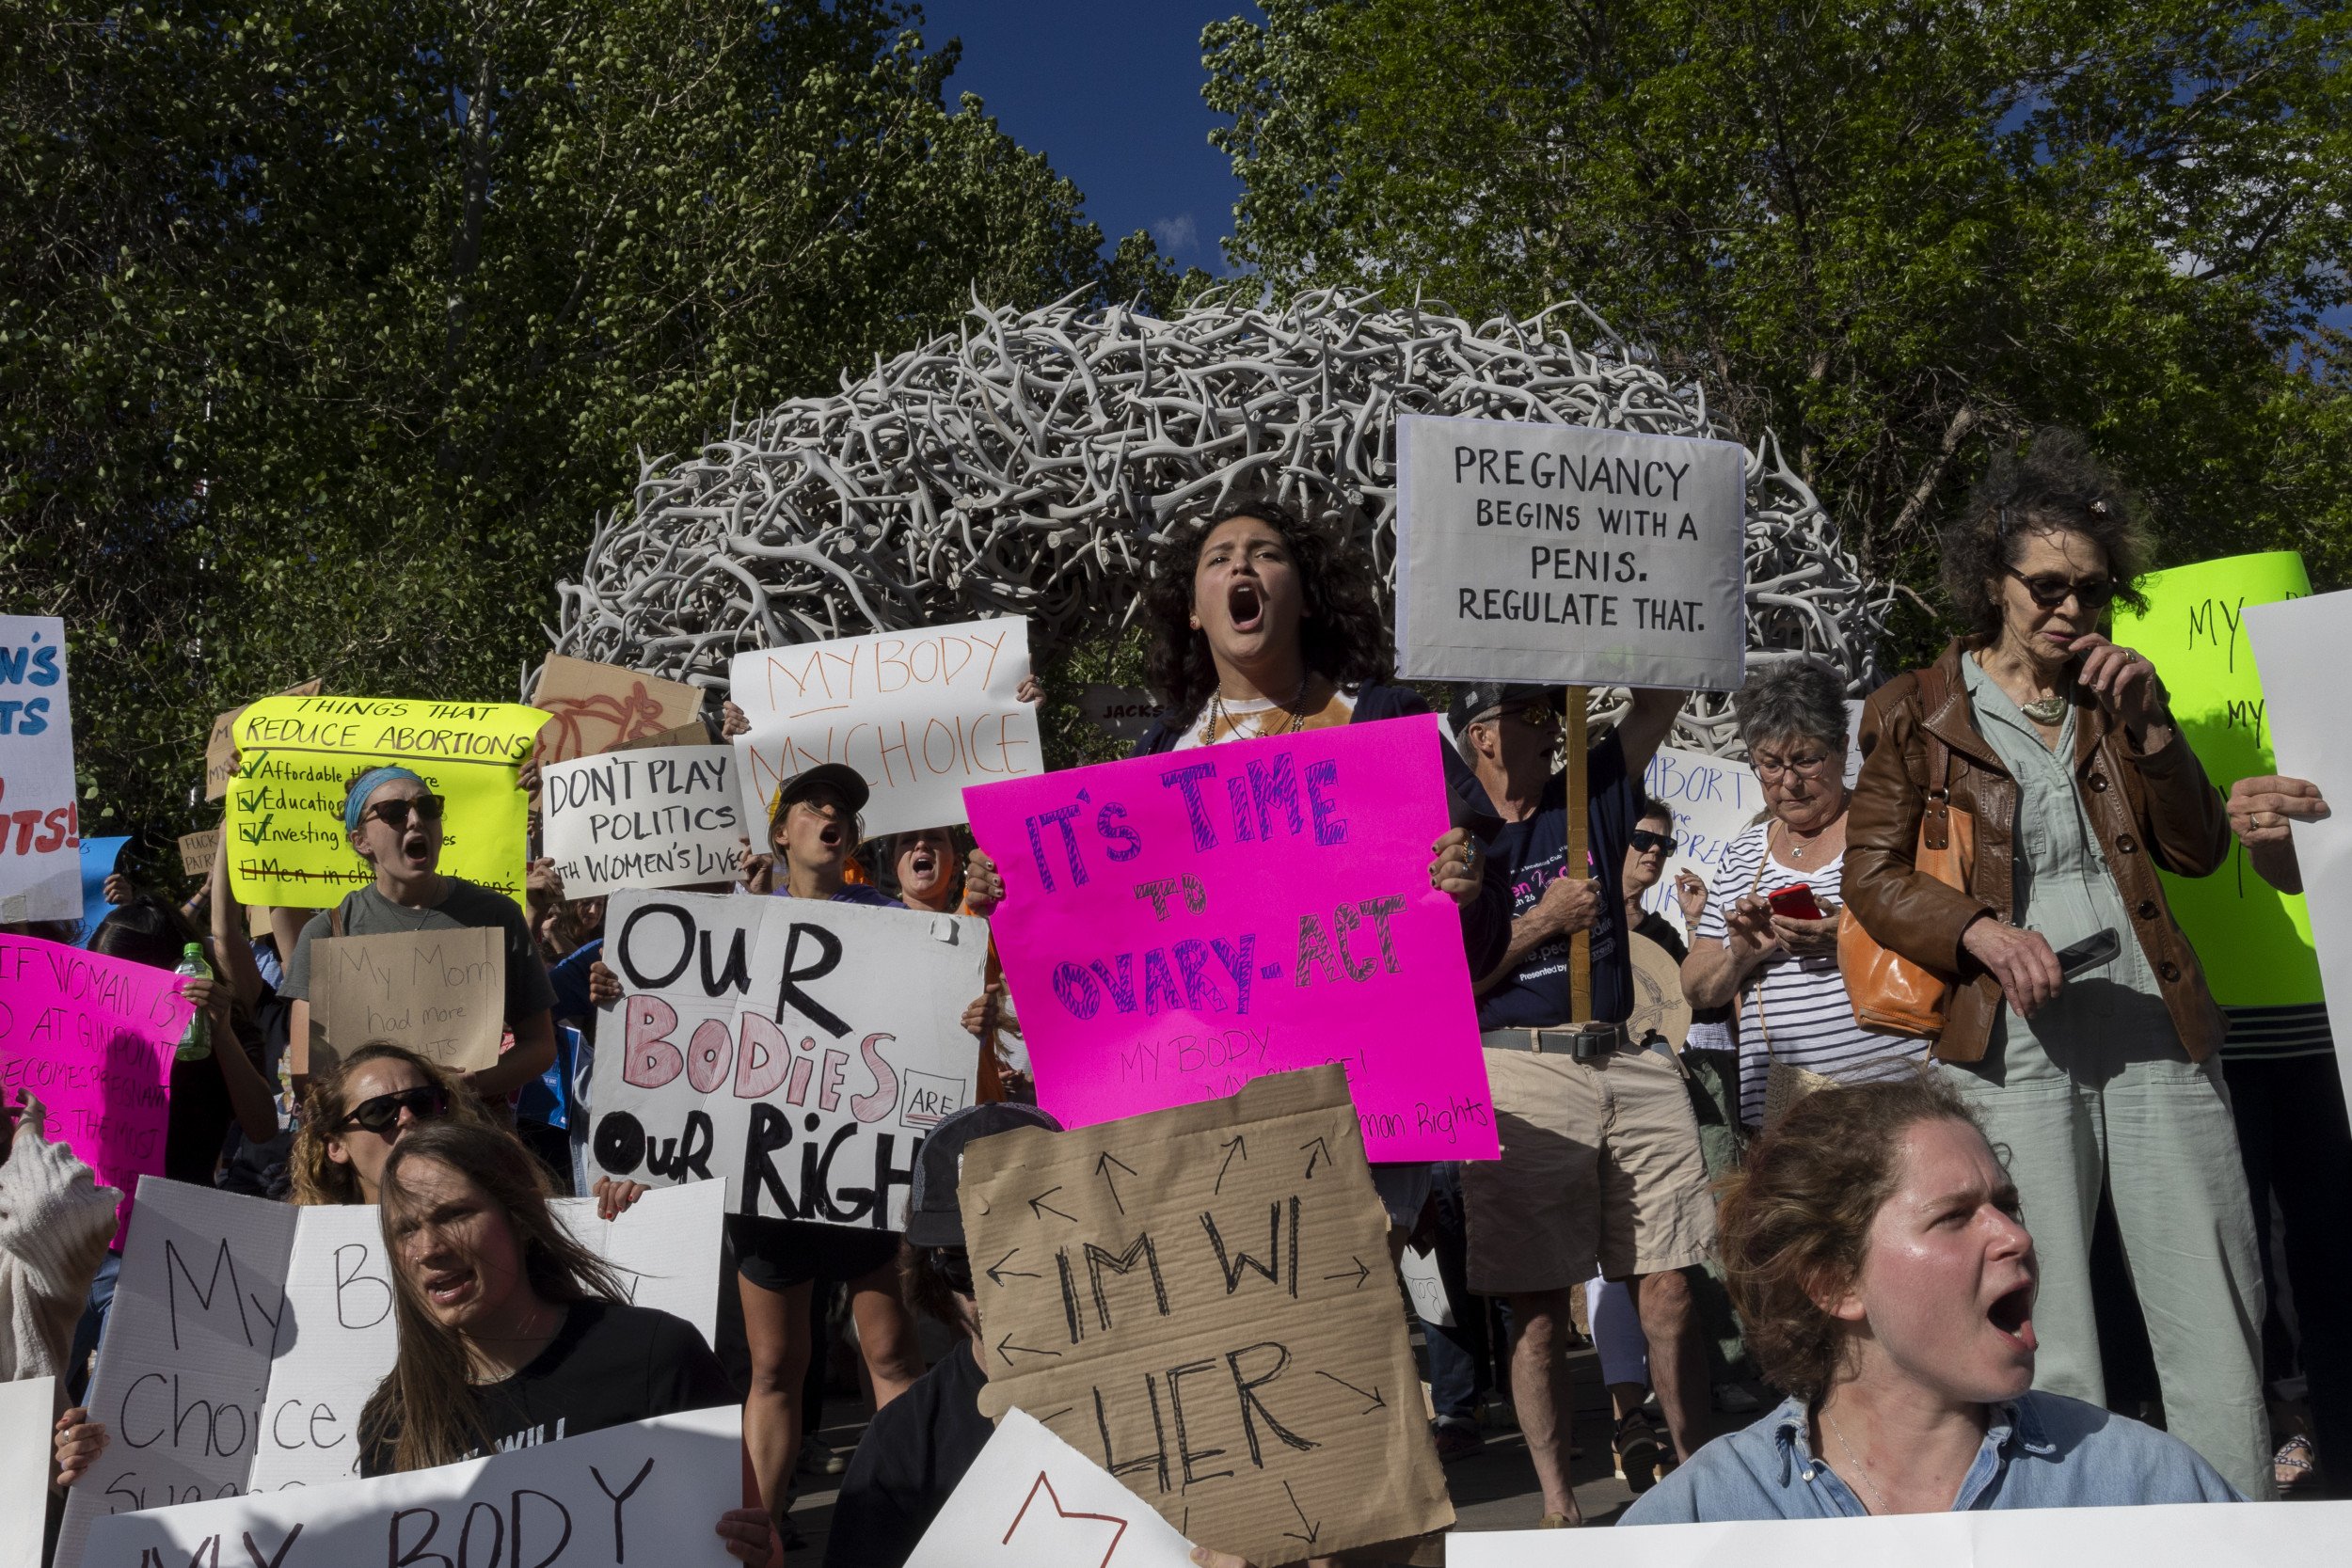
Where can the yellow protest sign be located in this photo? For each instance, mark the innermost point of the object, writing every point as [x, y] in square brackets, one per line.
[296, 756]
[2255, 941]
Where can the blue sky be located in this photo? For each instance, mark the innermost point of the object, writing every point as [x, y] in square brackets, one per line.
[1110, 93]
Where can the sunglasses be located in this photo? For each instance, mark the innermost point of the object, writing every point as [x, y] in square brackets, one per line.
[380, 1115]
[955, 1267]
[394, 814]
[1643, 841]
[2053, 590]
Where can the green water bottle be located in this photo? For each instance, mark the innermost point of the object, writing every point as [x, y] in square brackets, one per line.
[197, 1043]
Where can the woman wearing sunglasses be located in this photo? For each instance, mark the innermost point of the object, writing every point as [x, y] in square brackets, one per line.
[394, 822]
[2100, 1071]
[358, 1110]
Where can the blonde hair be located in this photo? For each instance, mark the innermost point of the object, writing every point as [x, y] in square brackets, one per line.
[319, 1178]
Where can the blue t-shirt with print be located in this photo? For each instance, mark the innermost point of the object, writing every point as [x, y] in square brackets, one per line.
[1533, 854]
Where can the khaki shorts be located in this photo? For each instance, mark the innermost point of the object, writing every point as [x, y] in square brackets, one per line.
[1600, 1173]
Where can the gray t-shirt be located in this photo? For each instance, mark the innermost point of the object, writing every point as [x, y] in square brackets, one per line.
[464, 904]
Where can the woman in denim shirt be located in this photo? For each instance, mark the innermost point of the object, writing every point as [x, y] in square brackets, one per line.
[1877, 1254]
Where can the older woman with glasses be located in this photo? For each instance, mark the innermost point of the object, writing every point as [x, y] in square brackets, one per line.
[2079, 1030]
[1767, 939]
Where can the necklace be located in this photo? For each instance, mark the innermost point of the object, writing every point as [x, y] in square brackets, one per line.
[1296, 708]
[1861, 1471]
[2045, 711]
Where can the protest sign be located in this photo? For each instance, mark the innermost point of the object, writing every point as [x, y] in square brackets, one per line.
[246, 1335]
[2153, 1535]
[287, 843]
[1426, 1287]
[796, 1049]
[101, 859]
[1030, 1500]
[919, 714]
[92, 1039]
[2254, 942]
[441, 992]
[1122, 712]
[28, 1406]
[40, 826]
[598, 706]
[2299, 648]
[198, 850]
[695, 733]
[1200, 1301]
[1569, 555]
[657, 1485]
[667, 817]
[1175, 925]
[221, 746]
[1713, 799]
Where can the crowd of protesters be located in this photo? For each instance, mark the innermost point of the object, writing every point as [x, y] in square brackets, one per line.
[1923, 1245]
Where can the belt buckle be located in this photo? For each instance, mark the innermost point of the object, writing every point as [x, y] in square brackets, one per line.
[1594, 1042]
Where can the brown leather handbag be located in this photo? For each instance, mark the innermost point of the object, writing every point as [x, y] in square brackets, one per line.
[1890, 994]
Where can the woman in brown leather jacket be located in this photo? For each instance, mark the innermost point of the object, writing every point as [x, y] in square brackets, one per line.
[2060, 749]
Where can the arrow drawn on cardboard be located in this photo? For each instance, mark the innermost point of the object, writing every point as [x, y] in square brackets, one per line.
[1361, 1272]
[1313, 1530]
[1103, 1168]
[998, 1274]
[1319, 1151]
[1377, 1402]
[1039, 1207]
[1004, 1347]
[1231, 1147]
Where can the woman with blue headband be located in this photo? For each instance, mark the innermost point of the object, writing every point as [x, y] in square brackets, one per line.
[394, 821]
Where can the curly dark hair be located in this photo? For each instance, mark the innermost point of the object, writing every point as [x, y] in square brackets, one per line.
[1796, 1221]
[1342, 634]
[2053, 483]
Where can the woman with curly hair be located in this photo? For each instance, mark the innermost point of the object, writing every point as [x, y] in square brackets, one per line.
[2057, 749]
[356, 1112]
[1875, 1247]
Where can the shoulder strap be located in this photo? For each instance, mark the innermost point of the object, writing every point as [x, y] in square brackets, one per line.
[335, 920]
[1935, 828]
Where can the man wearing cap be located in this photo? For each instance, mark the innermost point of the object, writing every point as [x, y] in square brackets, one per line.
[1600, 1170]
[394, 822]
[920, 1445]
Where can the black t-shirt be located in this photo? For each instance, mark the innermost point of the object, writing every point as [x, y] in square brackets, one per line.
[201, 1112]
[1534, 853]
[910, 1458]
[608, 1366]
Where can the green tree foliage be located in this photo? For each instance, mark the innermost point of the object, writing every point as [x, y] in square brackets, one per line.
[1891, 231]
[331, 325]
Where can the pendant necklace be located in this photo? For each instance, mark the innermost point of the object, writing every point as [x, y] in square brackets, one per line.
[2045, 711]
[1296, 708]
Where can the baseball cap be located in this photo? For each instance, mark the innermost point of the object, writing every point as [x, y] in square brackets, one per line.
[1472, 698]
[840, 777]
[932, 1217]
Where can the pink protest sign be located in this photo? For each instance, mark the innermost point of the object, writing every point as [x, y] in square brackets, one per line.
[92, 1039]
[1176, 925]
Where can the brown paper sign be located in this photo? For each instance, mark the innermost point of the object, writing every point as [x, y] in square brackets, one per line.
[197, 852]
[220, 750]
[1200, 1300]
[596, 707]
[685, 734]
[441, 993]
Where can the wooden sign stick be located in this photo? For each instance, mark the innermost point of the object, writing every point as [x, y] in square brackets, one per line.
[1578, 857]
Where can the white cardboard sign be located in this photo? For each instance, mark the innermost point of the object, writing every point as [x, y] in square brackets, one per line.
[28, 1406]
[246, 1335]
[40, 855]
[2298, 646]
[1031, 1500]
[1713, 799]
[663, 817]
[919, 714]
[1569, 555]
[2159, 1535]
[795, 1049]
[652, 1488]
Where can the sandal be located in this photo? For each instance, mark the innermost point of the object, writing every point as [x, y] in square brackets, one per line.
[1637, 1451]
[2290, 1466]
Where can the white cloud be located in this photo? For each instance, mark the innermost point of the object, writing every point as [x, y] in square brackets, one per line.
[1175, 235]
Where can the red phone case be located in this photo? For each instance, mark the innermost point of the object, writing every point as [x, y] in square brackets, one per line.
[1796, 903]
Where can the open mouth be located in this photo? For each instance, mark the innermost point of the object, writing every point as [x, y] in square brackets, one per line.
[2012, 1314]
[830, 835]
[414, 849]
[922, 863]
[1245, 606]
[448, 1288]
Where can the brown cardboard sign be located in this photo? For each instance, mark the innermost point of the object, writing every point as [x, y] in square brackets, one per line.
[197, 852]
[441, 993]
[1200, 1300]
[220, 749]
[685, 734]
[596, 707]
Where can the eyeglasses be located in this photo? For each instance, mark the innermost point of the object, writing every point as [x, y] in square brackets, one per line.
[394, 814]
[1643, 841]
[1536, 715]
[1768, 768]
[381, 1114]
[2052, 590]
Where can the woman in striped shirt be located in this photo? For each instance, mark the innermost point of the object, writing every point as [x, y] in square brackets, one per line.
[1760, 941]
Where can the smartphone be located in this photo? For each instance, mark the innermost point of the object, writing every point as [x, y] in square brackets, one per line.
[1797, 903]
[2089, 953]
